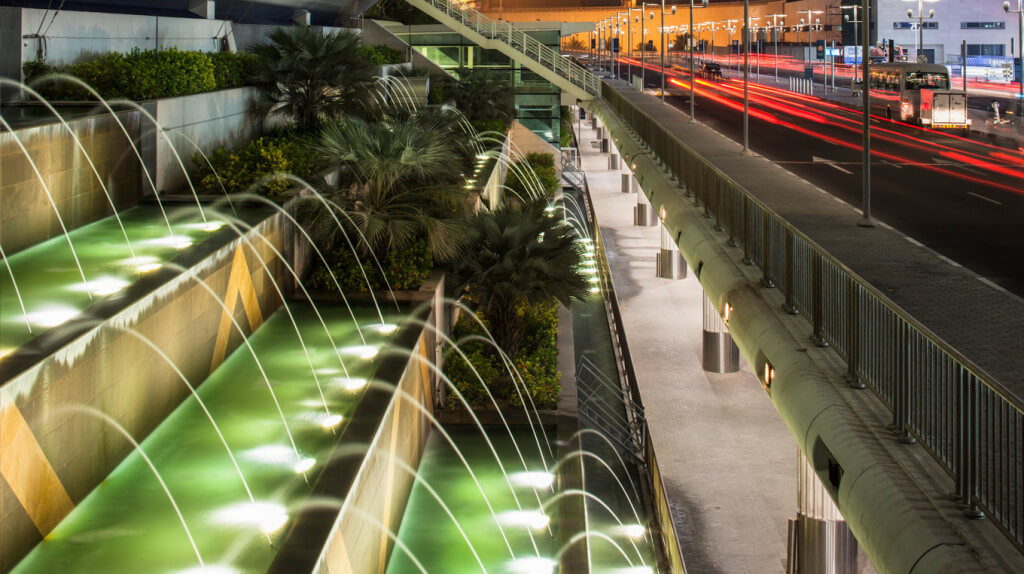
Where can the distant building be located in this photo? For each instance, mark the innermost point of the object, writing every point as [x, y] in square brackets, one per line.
[990, 33]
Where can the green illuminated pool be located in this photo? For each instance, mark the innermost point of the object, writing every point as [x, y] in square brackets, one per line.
[434, 539]
[127, 524]
[49, 281]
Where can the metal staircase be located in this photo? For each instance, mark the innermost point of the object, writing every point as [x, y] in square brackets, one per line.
[514, 43]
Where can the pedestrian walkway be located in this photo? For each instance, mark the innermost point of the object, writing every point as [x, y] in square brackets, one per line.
[727, 461]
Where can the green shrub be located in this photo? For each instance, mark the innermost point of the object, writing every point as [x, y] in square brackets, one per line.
[492, 125]
[543, 165]
[232, 69]
[147, 74]
[407, 269]
[537, 361]
[565, 126]
[463, 378]
[379, 54]
[240, 170]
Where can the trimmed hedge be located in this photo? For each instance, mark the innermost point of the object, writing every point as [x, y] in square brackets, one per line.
[145, 74]
[379, 54]
[537, 362]
[407, 268]
[543, 165]
[239, 170]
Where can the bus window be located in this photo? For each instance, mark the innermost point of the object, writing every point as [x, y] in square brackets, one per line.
[927, 81]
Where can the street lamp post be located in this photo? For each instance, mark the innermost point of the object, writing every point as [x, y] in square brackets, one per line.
[855, 21]
[920, 24]
[663, 48]
[1020, 54]
[865, 220]
[810, 36]
[693, 79]
[776, 30]
[745, 40]
[730, 27]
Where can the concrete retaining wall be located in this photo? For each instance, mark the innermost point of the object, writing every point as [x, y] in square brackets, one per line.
[26, 215]
[52, 458]
[200, 120]
[378, 495]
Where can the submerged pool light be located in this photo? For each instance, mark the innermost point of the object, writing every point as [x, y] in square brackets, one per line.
[532, 479]
[349, 383]
[269, 517]
[532, 565]
[52, 316]
[533, 519]
[101, 286]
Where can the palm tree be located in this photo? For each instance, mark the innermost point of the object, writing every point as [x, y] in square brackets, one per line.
[399, 182]
[575, 45]
[518, 256]
[482, 95]
[307, 76]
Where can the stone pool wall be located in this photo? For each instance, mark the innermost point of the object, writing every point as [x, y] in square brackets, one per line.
[26, 216]
[52, 456]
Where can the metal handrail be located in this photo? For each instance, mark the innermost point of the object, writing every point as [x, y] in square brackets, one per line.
[520, 41]
[962, 415]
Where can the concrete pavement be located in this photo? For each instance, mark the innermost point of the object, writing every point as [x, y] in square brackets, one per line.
[727, 460]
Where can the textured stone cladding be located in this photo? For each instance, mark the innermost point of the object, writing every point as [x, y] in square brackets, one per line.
[50, 457]
[26, 214]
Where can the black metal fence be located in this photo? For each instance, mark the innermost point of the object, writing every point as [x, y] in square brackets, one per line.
[971, 424]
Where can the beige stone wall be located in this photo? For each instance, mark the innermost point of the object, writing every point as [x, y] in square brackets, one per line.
[26, 216]
[382, 486]
[51, 457]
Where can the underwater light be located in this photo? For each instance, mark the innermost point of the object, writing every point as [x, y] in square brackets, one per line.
[534, 519]
[269, 517]
[349, 383]
[276, 454]
[142, 263]
[303, 465]
[207, 226]
[595, 289]
[532, 565]
[532, 479]
[5, 351]
[175, 241]
[549, 209]
[594, 280]
[53, 316]
[101, 286]
[385, 328]
[209, 569]
[362, 351]
[634, 531]
[330, 421]
[328, 371]
[482, 156]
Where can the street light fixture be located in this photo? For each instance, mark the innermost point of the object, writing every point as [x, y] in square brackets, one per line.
[810, 36]
[730, 27]
[1020, 54]
[857, 19]
[673, 12]
[920, 23]
[643, 43]
[693, 79]
[776, 27]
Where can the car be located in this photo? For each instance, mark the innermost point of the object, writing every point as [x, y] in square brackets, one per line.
[710, 70]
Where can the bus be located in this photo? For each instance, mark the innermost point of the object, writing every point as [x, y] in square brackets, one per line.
[918, 94]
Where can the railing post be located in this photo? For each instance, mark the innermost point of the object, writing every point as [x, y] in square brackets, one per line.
[969, 443]
[747, 260]
[706, 191]
[901, 388]
[718, 205]
[817, 294]
[766, 253]
[789, 306]
[852, 334]
[732, 220]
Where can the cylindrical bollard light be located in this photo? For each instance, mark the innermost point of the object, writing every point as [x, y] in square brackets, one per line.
[599, 132]
[627, 182]
[605, 146]
[643, 213]
[613, 161]
[721, 355]
[671, 264]
[822, 541]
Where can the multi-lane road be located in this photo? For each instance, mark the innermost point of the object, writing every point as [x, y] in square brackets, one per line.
[962, 197]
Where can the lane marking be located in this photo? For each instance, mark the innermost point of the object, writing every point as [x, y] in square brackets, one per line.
[832, 163]
[982, 197]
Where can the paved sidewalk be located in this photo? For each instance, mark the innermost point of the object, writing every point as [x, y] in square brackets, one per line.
[727, 460]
